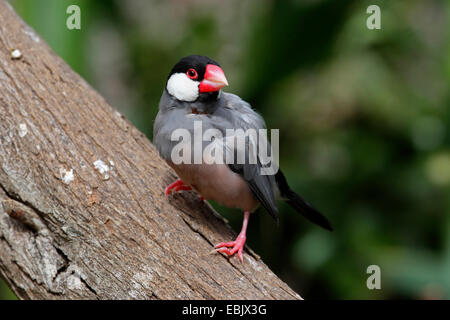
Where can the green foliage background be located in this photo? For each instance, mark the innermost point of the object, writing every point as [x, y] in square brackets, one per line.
[363, 116]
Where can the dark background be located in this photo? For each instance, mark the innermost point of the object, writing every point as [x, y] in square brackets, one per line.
[363, 118]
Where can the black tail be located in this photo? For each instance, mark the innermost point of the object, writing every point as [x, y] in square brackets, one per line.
[297, 202]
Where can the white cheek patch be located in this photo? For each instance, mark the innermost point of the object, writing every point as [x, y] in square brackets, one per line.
[182, 88]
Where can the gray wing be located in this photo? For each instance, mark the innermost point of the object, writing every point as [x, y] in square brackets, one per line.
[230, 112]
[242, 116]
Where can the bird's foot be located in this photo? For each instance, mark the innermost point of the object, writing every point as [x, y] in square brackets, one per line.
[232, 247]
[171, 186]
[178, 186]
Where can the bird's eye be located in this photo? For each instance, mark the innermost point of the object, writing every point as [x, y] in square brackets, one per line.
[192, 74]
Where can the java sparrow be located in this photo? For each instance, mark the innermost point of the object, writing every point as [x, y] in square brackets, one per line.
[192, 94]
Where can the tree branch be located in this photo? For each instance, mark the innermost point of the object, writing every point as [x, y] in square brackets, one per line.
[83, 213]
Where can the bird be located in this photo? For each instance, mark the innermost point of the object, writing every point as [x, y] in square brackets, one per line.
[193, 93]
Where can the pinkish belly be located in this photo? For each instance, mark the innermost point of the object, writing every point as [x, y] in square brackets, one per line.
[218, 183]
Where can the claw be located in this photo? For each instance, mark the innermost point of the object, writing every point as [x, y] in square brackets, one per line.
[230, 252]
[232, 247]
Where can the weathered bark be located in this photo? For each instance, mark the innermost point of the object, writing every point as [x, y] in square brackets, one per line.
[83, 213]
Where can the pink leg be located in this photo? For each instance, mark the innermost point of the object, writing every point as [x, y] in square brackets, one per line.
[230, 248]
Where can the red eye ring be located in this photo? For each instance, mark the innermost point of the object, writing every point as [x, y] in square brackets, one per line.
[192, 74]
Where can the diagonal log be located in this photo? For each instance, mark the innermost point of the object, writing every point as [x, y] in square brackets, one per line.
[83, 214]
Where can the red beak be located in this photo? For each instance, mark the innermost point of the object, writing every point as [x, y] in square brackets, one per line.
[213, 80]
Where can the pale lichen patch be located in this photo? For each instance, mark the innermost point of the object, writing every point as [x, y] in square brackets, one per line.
[16, 54]
[66, 175]
[74, 282]
[30, 33]
[254, 264]
[133, 294]
[102, 168]
[23, 130]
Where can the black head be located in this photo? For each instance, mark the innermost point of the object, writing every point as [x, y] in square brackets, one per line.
[194, 78]
[195, 62]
